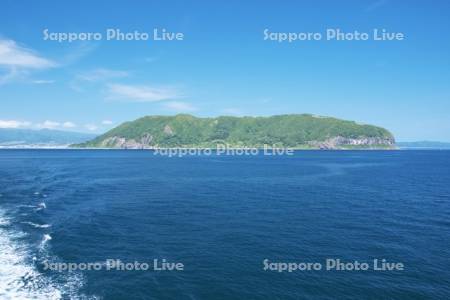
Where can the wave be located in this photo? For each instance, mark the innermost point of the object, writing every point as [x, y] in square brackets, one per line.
[46, 238]
[39, 193]
[4, 222]
[18, 277]
[38, 207]
[41, 206]
[37, 225]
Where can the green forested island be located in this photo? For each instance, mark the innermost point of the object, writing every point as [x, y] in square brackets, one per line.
[299, 131]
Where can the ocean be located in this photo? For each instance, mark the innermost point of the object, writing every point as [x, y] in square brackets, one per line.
[307, 226]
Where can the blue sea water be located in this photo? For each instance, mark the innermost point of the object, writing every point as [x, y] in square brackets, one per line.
[222, 216]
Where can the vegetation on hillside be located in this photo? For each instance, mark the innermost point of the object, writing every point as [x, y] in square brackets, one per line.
[283, 130]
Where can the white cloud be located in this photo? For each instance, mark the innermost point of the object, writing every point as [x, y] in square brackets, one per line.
[11, 74]
[141, 93]
[42, 81]
[106, 122]
[101, 74]
[91, 127]
[179, 106]
[48, 124]
[13, 55]
[13, 124]
[69, 124]
[17, 61]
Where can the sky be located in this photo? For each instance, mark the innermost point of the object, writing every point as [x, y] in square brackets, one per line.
[224, 65]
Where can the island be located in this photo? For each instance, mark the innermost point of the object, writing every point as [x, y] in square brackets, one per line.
[295, 131]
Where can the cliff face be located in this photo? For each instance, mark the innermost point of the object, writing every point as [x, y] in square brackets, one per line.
[340, 142]
[335, 143]
[123, 143]
[286, 131]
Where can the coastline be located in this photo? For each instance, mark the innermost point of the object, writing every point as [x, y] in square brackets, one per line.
[213, 149]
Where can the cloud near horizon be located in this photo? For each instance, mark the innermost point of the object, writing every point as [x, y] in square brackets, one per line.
[180, 106]
[49, 124]
[232, 111]
[91, 127]
[69, 124]
[13, 124]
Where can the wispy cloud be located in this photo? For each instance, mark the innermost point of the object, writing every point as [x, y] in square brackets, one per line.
[10, 74]
[140, 93]
[78, 52]
[180, 106]
[101, 75]
[13, 124]
[42, 81]
[375, 5]
[13, 55]
[107, 122]
[17, 61]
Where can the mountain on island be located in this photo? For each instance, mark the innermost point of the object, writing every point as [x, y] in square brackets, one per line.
[299, 131]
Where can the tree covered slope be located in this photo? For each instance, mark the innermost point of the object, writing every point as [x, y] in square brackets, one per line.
[294, 131]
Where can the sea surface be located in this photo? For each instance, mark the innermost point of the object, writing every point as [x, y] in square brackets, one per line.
[222, 217]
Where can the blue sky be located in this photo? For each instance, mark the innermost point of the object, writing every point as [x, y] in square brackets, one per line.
[223, 66]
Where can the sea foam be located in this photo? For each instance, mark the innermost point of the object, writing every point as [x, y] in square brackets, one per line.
[37, 225]
[18, 278]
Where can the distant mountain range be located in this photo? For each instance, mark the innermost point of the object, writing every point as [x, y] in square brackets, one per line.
[20, 138]
[423, 145]
[297, 131]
